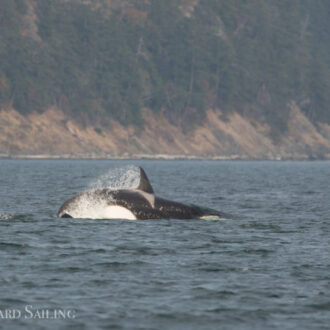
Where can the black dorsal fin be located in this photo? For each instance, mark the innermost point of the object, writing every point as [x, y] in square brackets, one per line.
[144, 184]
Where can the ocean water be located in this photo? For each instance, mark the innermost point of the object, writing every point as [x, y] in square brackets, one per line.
[266, 268]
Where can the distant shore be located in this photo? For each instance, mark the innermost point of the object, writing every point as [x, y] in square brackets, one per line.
[53, 135]
[158, 157]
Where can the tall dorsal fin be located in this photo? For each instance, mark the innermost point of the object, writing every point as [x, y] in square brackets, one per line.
[144, 184]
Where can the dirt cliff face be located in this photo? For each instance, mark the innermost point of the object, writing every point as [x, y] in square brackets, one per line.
[53, 133]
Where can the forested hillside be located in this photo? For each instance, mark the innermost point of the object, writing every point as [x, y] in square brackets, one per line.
[112, 58]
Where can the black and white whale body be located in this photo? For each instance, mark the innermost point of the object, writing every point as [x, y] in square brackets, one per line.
[132, 204]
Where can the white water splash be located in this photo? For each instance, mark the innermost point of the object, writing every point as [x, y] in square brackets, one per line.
[6, 216]
[93, 205]
[88, 205]
[212, 218]
[117, 178]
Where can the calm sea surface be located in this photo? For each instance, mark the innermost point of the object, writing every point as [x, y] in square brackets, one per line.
[266, 268]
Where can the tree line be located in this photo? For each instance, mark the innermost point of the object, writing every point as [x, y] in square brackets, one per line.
[112, 58]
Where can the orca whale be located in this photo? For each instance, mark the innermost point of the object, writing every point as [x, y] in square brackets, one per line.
[132, 204]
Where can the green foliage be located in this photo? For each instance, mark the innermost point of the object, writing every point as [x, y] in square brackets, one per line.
[21, 6]
[116, 59]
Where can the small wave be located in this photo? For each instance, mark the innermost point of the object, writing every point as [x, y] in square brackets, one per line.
[12, 301]
[4, 245]
[212, 218]
[114, 264]
[5, 216]
[321, 306]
